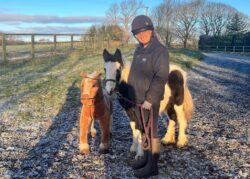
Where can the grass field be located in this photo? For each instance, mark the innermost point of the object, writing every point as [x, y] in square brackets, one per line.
[33, 91]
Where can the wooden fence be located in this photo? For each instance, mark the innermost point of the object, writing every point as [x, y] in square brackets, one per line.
[16, 46]
[238, 49]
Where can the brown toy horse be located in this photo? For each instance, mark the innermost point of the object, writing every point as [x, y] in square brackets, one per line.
[96, 105]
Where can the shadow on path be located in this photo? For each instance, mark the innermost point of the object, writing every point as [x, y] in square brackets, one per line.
[41, 157]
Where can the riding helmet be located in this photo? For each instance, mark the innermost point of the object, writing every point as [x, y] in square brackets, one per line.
[141, 23]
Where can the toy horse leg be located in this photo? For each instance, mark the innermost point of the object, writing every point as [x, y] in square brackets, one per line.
[182, 138]
[84, 125]
[105, 126]
[169, 137]
[92, 128]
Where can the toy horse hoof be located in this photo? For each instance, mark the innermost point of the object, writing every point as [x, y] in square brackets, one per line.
[84, 149]
[93, 134]
[104, 151]
[168, 140]
[182, 143]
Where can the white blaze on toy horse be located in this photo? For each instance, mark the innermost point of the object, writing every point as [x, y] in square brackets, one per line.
[177, 102]
[97, 104]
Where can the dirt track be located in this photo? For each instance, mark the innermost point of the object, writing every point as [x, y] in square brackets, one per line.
[218, 138]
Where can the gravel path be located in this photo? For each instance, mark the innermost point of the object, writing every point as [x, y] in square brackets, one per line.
[218, 137]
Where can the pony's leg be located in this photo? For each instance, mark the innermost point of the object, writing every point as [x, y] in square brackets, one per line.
[105, 126]
[182, 138]
[92, 128]
[111, 123]
[169, 137]
[84, 125]
[135, 133]
[139, 152]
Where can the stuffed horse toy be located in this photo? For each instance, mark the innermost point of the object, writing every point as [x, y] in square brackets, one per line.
[177, 102]
[96, 104]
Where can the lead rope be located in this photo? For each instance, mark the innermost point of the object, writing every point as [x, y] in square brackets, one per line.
[148, 127]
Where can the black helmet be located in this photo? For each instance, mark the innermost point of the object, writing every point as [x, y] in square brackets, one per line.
[141, 23]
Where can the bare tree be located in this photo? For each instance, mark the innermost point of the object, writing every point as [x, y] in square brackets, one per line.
[163, 17]
[206, 18]
[220, 17]
[186, 19]
[127, 10]
[112, 14]
[237, 23]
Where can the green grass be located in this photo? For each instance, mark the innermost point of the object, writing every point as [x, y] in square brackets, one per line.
[36, 90]
[185, 58]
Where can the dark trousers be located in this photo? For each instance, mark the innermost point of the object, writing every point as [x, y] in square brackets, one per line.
[138, 119]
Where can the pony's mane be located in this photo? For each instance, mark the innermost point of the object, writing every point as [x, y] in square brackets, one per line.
[92, 75]
[173, 67]
[125, 70]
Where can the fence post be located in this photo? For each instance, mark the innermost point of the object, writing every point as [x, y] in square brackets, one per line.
[32, 46]
[225, 48]
[233, 48]
[4, 48]
[54, 43]
[72, 42]
[103, 42]
[108, 41]
[243, 50]
[94, 39]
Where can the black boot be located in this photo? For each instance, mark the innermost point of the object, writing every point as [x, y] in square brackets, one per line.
[151, 167]
[141, 161]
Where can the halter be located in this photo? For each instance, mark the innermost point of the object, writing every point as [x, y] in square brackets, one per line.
[147, 125]
[118, 76]
[91, 98]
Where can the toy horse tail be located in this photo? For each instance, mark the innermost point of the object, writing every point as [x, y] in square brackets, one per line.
[187, 104]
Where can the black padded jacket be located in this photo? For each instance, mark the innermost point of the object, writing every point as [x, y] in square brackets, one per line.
[149, 72]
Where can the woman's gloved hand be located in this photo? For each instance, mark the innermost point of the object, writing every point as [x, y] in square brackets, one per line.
[146, 105]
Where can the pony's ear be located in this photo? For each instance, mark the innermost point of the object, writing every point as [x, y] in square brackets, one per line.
[99, 75]
[118, 56]
[118, 53]
[83, 74]
[106, 55]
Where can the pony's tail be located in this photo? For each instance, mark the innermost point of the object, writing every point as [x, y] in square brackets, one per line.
[188, 104]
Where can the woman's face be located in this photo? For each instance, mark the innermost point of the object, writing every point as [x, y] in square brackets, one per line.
[144, 36]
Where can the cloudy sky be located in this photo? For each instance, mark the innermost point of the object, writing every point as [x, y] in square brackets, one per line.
[67, 16]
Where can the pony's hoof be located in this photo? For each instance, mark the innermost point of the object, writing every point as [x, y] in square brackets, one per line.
[104, 151]
[138, 155]
[182, 142]
[168, 140]
[84, 148]
[93, 133]
[133, 148]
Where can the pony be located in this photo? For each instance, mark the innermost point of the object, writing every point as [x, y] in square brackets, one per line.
[96, 104]
[177, 103]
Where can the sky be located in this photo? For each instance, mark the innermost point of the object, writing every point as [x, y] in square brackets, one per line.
[68, 16]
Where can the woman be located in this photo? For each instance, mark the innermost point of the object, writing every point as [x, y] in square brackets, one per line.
[147, 79]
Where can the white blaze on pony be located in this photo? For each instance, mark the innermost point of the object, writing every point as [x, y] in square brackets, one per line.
[177, 102]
